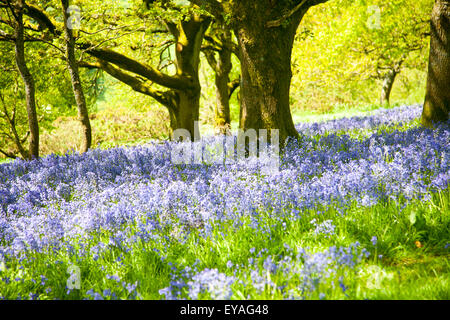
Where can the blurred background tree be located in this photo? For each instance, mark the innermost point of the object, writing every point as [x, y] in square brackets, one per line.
[349, 53]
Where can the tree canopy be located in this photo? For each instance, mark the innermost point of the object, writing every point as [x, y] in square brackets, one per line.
[331, 52]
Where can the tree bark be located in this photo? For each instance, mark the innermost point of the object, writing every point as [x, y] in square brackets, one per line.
[188, 36]
[83, 115]
[386, 89]
[222, 68]
[388, 81]
[222, 112]
[27, 79]
[266, 69]
[436, 107]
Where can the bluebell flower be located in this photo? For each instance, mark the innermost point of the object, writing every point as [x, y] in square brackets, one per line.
[56, 202]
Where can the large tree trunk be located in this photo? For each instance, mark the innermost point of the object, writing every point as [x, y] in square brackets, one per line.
[436, 107]
[72, 65]
[185, 111]
[265, 53]
[28, 81]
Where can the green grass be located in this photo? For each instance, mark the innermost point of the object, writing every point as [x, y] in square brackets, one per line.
[5, 160]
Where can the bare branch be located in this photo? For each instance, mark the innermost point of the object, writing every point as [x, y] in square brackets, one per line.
[278, 22]
[8, 155]
[128, 64]
[135, 83]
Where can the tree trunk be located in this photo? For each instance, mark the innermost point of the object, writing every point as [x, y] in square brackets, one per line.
[389, 79]
[386, 89]
[72, 65]
[222, 111]
[28, 81]
[265, 53]
[189, 36]
[185, 112]
[222, 68]
[436, 107]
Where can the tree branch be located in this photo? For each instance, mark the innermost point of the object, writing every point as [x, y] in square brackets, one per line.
[6, 37]
[210, 57]
[42, 19]
[290, 13]
[8, 5]
[278, 22]
[135, 83]
[8, 155]
[233, 85]
[172, 82]
[216, 45]
[38, 15]
[214, 7]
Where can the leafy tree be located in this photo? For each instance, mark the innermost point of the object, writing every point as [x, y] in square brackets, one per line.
[180, 92]
[184, 25]
[395, 35]
[351, 52]
[46, 60]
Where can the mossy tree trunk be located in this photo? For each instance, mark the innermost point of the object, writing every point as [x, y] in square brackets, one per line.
[188, 36]
[265, 53]
[265, 30]
[386, 88]
[222, 78]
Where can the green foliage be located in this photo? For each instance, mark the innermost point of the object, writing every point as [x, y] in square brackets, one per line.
[339, 60]
[344, 48]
